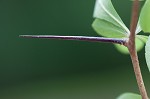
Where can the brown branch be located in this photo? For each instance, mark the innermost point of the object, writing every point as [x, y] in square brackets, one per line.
[132, 49]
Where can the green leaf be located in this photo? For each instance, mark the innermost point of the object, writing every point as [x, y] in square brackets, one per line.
[140, 42]
[129, 96]
[105, 10]
[108, 29]
[138, 28]
[143, 38]
[147, 53]
[145, 17]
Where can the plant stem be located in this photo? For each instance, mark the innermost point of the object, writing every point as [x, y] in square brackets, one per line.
[132, 49]
[80, 38]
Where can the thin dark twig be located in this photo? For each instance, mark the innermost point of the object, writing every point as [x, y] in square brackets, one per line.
[80, 38]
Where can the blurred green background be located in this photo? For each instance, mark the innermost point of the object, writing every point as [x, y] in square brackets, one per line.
[58, 69]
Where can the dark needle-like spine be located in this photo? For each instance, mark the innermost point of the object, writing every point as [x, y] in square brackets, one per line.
[80, 38]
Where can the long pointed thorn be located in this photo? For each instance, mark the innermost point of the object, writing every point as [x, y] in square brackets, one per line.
[79, 38]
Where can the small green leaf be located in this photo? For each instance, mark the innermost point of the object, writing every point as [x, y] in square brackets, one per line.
[138, 28]
[147, 53]
[129, 96]
[145, 17]
[105, 10]
[108, 29]
[143, 38]
[139, 45]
